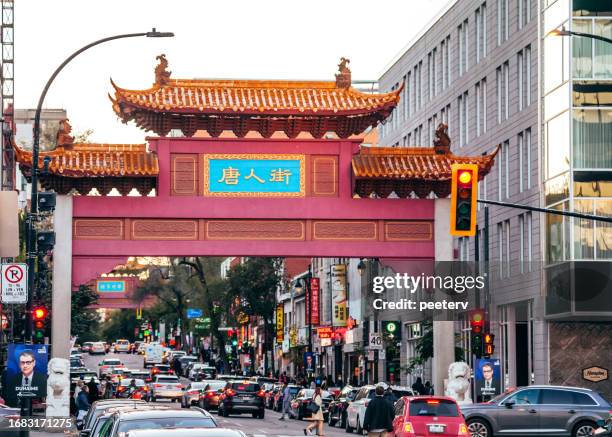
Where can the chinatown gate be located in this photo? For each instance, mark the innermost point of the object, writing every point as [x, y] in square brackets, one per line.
[291, 190]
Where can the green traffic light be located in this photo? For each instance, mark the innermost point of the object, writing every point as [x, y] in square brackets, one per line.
[40, 335]
[234, 343]
[464, 208]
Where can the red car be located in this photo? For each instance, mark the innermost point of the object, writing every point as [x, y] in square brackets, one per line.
[428, 416]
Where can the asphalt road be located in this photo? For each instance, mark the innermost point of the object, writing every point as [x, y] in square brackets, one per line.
[269, 426]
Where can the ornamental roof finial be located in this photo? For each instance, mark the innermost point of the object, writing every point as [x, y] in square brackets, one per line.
[162, 75]
[343, 78]
[63, 134]
[442, 141]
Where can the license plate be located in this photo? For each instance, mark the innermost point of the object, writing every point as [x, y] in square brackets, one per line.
[436, 428]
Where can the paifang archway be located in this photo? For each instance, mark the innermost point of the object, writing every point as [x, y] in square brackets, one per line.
[295, 195]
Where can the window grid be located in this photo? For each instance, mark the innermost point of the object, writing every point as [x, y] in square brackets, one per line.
[502, 21]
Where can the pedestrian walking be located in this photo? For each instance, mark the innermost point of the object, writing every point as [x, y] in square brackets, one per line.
[317, 416]
[429, 391]
[82, 402]
[418, 387]
[379, 415]
[286, 405]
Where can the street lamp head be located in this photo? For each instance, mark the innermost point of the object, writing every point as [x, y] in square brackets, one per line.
[298, 286]
[559, 32]
[155, 34]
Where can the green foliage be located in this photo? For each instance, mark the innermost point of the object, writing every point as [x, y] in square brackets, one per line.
[120, 324]
[84, 322]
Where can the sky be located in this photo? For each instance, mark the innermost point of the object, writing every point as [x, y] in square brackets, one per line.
[238, 39]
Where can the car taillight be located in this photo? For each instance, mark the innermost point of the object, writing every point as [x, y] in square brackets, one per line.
[210, 394]
[463, 429]
[433, 402]
[157, 385]
[145, 388]
[193, 392]
[261, 393]
[179, 386]
[171, 372]
[120, 388]
[230, 392]
[408, 428]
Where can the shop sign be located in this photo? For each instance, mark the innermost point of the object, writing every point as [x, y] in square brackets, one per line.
[280, 327]
[595, 374]
[338, 286]
[325, 332]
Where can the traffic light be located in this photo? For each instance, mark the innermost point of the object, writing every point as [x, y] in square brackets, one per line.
[46, 201]
[489, 347]
[477, 322]
[39, 316]
[392, 329]
[45, 241]
[464, 192]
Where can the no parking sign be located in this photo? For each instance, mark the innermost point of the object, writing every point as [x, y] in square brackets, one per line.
[14, 283]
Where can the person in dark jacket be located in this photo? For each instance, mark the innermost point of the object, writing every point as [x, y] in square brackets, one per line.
[92, 396]
[82, 403]
[379, 415]
[418, 387]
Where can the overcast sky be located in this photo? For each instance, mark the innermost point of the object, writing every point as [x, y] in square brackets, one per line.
[266, 39]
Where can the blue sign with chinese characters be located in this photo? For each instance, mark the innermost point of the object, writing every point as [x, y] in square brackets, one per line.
[254, 175]
[110, 286]
[193, 313]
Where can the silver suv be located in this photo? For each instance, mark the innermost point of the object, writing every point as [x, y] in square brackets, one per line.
[538, 410]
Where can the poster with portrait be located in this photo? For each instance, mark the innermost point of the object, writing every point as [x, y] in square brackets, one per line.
[26, 372]
[487, 377]
[309, 362]
[339, 295]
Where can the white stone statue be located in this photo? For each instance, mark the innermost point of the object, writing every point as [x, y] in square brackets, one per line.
[58, 388]
[458, 386]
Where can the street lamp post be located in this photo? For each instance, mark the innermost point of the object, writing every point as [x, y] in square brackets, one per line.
[565, 32]
[31, 252]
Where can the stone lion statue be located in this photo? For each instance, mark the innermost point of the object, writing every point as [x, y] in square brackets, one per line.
[458, 386]
[58, 388]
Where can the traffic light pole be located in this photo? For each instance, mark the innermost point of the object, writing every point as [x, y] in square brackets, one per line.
[548, 211]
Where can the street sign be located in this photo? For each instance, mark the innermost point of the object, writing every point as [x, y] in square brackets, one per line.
[194, 313]
[376, 342]
[14, 283]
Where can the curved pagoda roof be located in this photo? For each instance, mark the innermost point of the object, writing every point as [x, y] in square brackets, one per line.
[264, 106]
[419, 170]
[83, 166]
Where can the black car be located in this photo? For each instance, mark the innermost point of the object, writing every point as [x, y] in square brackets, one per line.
[337, 407]
[242, 397]
[158, 418]
[303, 398]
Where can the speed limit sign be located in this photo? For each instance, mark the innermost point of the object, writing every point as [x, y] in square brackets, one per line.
[376, 341]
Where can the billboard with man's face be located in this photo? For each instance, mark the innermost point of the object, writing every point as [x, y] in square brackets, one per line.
[487, 377]
[26, 372]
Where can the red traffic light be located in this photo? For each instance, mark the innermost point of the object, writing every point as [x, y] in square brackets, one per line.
[39, 313]
[477, 321]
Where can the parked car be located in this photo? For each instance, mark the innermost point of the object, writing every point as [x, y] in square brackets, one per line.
[209, 399]
[269, 399]
[185, 432]
[201, 370]
[355, 411]
[76, 362]
[538, 410]
[97, 347]
[278, 397]
[337, 407]
[166, 387]
[304, 398]
[123, 421]
[160, 369]
[428, 416]
[100, 406]
[242, 397]
[170, 355]
[86, 346]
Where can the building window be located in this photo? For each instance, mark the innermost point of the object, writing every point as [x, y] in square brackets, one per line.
[519, 71]
[448, 63]
[524, 149]
[407, 92]
[419, 85]
[500, 248]
[404, 99]
[527, 61]
[524, 12]
[523, 69]
[503, 171]
[481, 107]
[525, 249]
[502, 21]
[503, 241]
[592, 131]
[464, 249]
[503, 87]
[429, 131]
[463, 39]
[409, 139]
[481, 32]
[463, 104]
[592, 59]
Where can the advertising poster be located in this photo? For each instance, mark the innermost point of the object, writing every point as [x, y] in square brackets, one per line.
[309, 362]
[338, 281]
[487, 377]
[26, 372]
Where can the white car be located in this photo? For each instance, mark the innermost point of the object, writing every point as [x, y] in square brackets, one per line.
[195, 367]
[355, 412]
[166, 387]
[97, 348]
